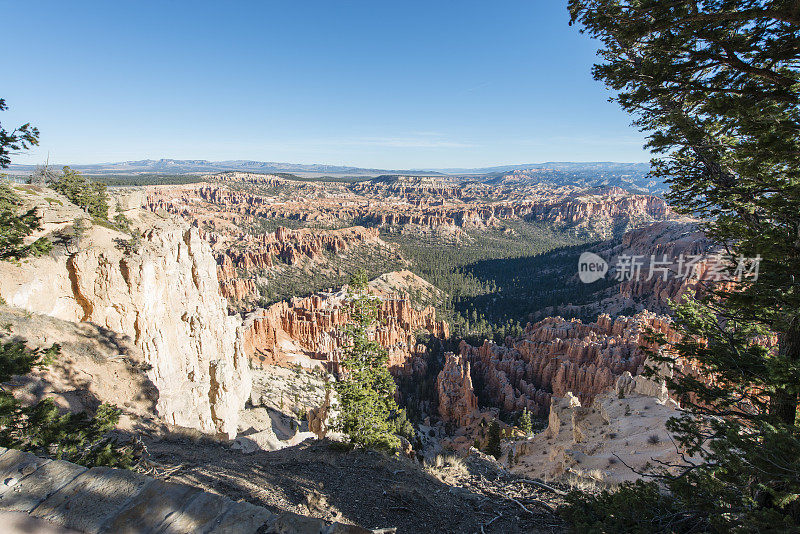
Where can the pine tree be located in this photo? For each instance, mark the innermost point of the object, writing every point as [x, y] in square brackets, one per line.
[42, 429]
[524, 423]
[369, 414]
[20, 138]
[80, 190]
[16, 226]
[717, 86]
[493, 440]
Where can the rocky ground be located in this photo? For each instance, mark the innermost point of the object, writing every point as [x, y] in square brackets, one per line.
[325, 480]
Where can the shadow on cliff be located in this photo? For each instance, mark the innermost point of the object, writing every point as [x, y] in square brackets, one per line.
[95, 365]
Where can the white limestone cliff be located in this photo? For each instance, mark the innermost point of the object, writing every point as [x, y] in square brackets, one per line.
[163, 293]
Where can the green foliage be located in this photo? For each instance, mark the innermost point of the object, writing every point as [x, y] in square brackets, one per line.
[369, 414]
[17, 359]
[493, 440]
[20, 138]
[401, 426]
[717, 85]
[639, 507]
[15, 227]
[9, 200]
[359, 280]
[75, 437]
[40, 247]
[42, 429]
[492, 280]
[89, 195]
[122, 222]
[524, 422]
[79, 227]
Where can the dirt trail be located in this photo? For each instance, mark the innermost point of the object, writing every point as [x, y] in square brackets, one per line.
[320, 479]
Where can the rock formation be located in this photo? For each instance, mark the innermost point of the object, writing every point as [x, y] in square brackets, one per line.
[239, 265]
[555, 356]
[162, 292]
[457, 400]
[309, 330]
[416, 202]
[592, 440]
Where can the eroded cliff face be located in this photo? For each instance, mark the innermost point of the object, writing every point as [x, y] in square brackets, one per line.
[309, 331]
[411, 203]
[554, 356]
[243, 259]
[671, 241]
[162, 292]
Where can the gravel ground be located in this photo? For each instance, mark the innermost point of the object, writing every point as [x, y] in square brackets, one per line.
[325, 480]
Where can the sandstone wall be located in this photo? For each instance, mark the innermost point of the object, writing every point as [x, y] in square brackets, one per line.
[164, 295]
[309, 331]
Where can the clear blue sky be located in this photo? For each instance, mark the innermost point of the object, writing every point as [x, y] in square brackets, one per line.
[407, 84]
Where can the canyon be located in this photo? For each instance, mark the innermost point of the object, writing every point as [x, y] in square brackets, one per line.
[275, 238]
[414, 202]
[222, 307]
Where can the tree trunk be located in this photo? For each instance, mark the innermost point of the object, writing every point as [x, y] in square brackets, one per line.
[783, 403]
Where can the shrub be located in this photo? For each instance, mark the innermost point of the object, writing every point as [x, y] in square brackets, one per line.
[493, 440]
[524, 422]
[80, 190]
[42, 429]
[15, 227]
[639, 507]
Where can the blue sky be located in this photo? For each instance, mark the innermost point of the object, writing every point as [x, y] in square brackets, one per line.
[375, 84]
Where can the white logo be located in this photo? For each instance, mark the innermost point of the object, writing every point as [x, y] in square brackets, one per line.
[591, 267]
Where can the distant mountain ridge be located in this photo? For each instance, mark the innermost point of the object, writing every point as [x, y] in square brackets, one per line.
[178, 166]
[556, 166]
[202, 165]
[630, 176]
